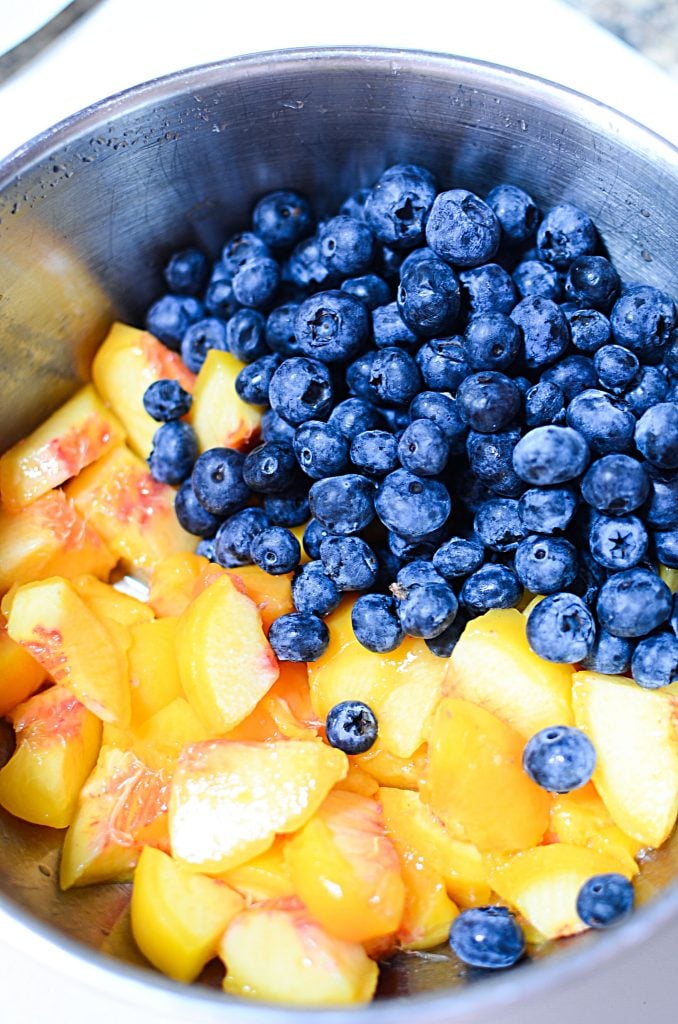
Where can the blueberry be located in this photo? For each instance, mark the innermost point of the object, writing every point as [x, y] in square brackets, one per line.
[253, 382]
[616, 367]
[396, 420]
[343, 504]
[666, 547]
[559, 758]
[492, 341]
[300, 390]
[166, 400]
[169, 318]
[648, 388]
[305, 266]
[617, 543]
[246, 335]
[282, 218]
[589, 329]
[498, 524]
[544, 404]
[590, 579]
[544, 328]
[423, 448]
[610, 655]
[550, 455]
[374, 452]
[488, 401]
[411, 506]
[603, 421]
[234, 537]
[275, 550]
[351, 726]
[516, 211]
[615, 485]
[288, 508]
[313, 591]
[443, 363]
[421, 547]
[192, 516]
[240, 248]
[673, 619]
[346, 245]
[428, 296]
[662, 509]
[539, 280]
[462, 229]
[397, 206]
[376, 624]
[491, 461]
[269, 467]
[546, 511]
[175, 449]
[371, 289]
[186, 272]
[256, 280]
[443, 644]
[389, 566]
[459, 557]
[331, 326]
[389, 328]
[564, 234]
[561, 628]
[314, 535]
[280, 336]
[642, 319]
[592, 281]
[273, 428]
[492, 586]
[298, 636]
[657, 435]
[219, 298]
[633, 603]
[427, 609]
[349, 562]
[487, 937]
[354, 415]
[393, 377]
[670, 359]
[604, 900]
[218, 482]
[545, 565]
[441, 410]
[205, 548]
[354, 205]
[488, 289]
[655, 661]
[321, 450]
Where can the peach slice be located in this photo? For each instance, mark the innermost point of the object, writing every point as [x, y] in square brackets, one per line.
[633, 731]
[110, 603]
[159, 740]
[582, 819]
[266, 877]
[402, 688]
[57, 746]
[346, 870]
[422, 838]
[493, 666]
[122, 808]
[153, 670]
[127, 361]
[173, 580]
[230, 799]
[429, 911]
[76, 434]
[271, 594]
[389, 770]
[49, 538]
[219, 416]
[543, 883]
[225, 662]
[20, 674]
[52, 622]
[131, 511]
[178, 917]
[277, 953]
[476, 779]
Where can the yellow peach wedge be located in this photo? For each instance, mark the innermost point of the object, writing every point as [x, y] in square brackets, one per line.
[633, 732]
[581, 818]
[153, 670]
[389, 770]
[493, 666]
[428, 911]
[79, 432]
[178, 917]
[57, 745]
[542, 884]
[476, 779]
[302, 964]
[126, 363]
[109, 603]
[220, 418]
[225, 662]
[53, 623]
[20, 674]
[266, 877]
[230, 799]
[271, 594]
[159, 740]
[173, 580]
[346, 870]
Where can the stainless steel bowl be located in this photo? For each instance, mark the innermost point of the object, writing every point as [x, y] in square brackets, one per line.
[88, 213]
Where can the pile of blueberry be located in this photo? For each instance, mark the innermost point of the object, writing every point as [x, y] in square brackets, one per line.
[464, 402]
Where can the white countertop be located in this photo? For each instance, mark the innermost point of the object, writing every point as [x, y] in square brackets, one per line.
[123, 42]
